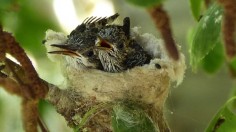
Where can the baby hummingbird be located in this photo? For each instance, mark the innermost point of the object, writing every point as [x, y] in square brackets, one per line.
[99, 44]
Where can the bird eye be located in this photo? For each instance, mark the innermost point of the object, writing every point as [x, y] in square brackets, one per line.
[90, 53]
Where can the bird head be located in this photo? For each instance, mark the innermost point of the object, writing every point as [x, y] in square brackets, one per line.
[98, 44]
[80, 44]
[111, 47]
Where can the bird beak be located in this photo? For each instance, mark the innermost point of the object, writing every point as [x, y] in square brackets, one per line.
[66, 50]
[103, 44]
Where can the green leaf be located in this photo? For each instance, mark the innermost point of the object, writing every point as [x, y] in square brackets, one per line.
[131, 119]
[6, 6]
[224, 120]
[28, 25]
[214, 60]
[207, 34]
[145, 3]
[196, 8]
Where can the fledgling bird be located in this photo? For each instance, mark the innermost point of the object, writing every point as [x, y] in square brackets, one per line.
[99, 44]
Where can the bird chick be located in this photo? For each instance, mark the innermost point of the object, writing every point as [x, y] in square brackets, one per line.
[98, 44]
[117, 51]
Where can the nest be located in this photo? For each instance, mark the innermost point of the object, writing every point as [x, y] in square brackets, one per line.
[145, 86]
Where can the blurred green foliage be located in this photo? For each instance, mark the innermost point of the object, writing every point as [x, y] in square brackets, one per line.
[27, 25]
[145, 3]
[1, 112]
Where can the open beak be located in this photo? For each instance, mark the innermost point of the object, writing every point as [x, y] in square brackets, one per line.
[103, 44]
[65, 50]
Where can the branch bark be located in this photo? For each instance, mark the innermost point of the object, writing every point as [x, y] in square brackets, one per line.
[229, 25]
[162, 22]
[21, 80]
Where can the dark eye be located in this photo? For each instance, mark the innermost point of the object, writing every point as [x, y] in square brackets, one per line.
[158, 66]
[120, 45]
[90, 53]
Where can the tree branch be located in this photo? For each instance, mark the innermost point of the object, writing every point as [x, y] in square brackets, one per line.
[161, 19]
[229, 26]
[33, 80]
[21, 80]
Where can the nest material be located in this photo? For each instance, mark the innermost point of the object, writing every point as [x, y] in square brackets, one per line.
[147, 85]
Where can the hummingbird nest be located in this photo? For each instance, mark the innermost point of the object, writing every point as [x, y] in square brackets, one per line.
[88, 89]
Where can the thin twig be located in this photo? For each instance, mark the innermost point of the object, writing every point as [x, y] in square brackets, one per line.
[13, 72]
[2, 75]
[162, 22]
[26, 92]
[42, 125]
